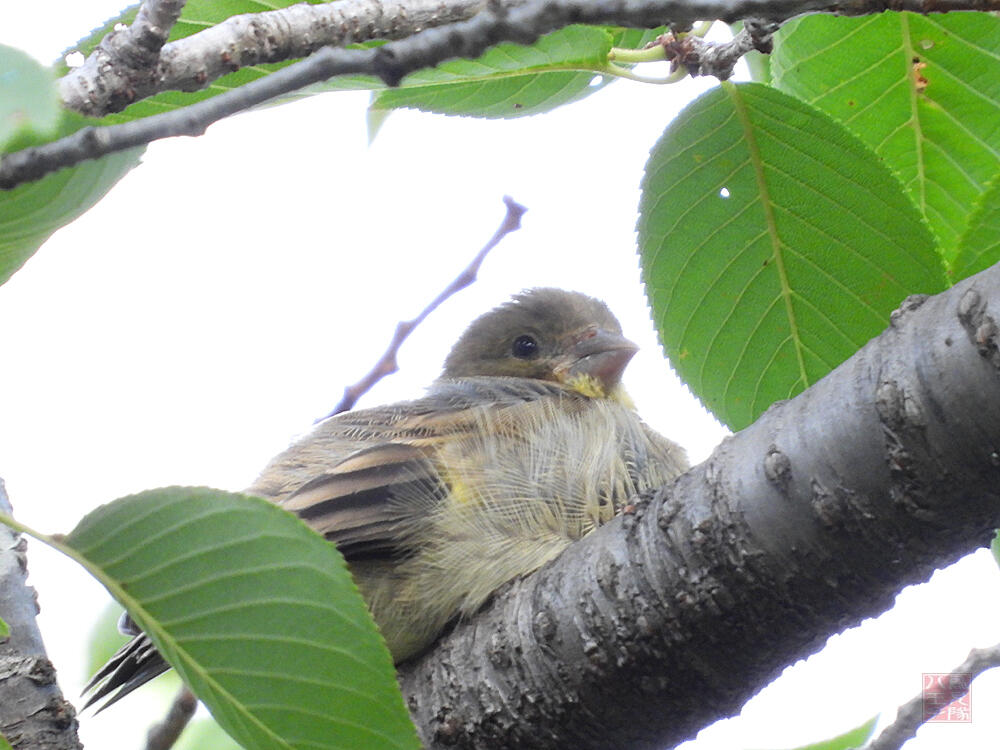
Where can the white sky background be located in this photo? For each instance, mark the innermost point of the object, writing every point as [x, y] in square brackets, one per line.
[224, 293]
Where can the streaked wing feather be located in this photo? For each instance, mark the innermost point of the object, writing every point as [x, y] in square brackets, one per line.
[359, 505]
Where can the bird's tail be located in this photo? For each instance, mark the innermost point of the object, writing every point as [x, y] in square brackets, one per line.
[135, 663]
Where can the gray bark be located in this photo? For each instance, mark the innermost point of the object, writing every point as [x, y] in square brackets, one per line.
[33, 712]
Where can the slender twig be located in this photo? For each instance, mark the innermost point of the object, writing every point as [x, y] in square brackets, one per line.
[911, 715]
[162, 736]
[394, 60]
[387, 363]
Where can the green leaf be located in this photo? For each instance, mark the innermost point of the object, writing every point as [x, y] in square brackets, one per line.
[30, 213]
[922, 91]
[511, 80]
[255, 610]
[855, 738]
[979, 247]
[28, 96]
[773, 245]
[4, 744]
[4, 629]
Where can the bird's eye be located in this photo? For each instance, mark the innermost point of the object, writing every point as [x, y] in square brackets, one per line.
[524, 347]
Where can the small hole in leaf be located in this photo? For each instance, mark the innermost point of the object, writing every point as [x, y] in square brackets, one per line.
[596, 81]
[724, 193]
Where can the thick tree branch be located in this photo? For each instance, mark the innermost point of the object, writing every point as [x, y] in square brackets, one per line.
[33, 713]
[108, 83]
[391, 62]
[801, 525]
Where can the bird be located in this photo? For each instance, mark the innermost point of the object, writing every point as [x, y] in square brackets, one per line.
[526, 442]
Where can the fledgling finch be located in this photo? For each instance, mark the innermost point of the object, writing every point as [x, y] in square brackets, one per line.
[526, 442]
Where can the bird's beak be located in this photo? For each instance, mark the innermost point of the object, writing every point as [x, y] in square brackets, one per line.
[598, 354]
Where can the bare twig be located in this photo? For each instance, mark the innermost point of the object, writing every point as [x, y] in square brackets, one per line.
[387, 363]
[163, 735]
[911, 715]
[394, 60]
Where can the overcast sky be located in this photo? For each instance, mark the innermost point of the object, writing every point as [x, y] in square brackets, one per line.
[224, 293]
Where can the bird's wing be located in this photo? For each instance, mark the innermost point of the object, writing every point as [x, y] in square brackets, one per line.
[362, 504]
[364, 478]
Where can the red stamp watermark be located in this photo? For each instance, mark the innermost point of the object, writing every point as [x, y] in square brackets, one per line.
[946, 697]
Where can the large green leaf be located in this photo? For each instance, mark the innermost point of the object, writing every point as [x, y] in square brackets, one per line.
[923, 91]
[773, 245]
[255, 610]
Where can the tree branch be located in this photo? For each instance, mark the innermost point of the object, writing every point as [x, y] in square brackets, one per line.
[387, 364]
[108, 83]
[164, 735]
[391, 62]
[702, 58]
[33, 713]
[801, 525]
[912, 715]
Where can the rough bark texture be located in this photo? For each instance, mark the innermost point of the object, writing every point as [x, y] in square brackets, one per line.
[33, 713]
[803, 524]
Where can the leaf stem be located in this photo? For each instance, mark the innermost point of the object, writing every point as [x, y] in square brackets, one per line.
[620, 72]
[630, 56]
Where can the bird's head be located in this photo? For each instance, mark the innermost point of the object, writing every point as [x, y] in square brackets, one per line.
[546, 334]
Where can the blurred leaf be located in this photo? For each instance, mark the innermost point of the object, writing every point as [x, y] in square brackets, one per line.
[773, 244]
[30, 213]
[205, 734]
[374, 119]
[854, 738]
[4, 629]
[255, 610]
[4, 744]
[922, 91]
[28, 96]
[979, 247]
